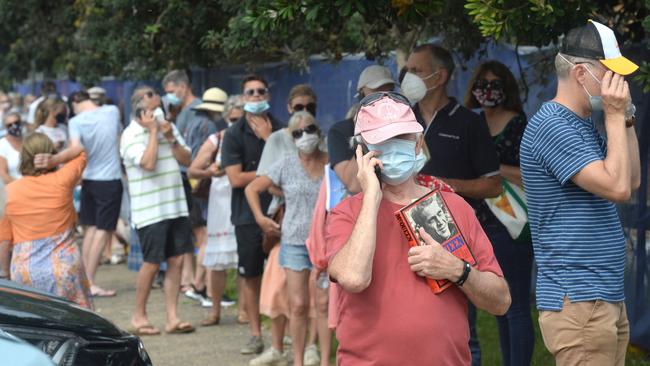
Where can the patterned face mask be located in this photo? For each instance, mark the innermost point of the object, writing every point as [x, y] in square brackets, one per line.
[489, 94]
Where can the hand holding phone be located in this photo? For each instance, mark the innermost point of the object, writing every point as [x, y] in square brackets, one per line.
[365, 151]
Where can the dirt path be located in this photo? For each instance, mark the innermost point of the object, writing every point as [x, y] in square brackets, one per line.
[217, 345]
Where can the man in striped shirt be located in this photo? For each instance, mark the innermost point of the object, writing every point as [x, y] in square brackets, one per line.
[572, 176]
[152, 151]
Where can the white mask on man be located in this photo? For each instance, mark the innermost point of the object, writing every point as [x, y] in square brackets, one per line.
[414, 88]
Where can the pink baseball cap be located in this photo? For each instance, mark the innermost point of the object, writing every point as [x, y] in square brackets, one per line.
[385, 118]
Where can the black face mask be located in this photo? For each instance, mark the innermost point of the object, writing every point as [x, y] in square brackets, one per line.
[15, 129]
[60, 118]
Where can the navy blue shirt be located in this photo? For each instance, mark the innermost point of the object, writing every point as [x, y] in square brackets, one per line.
[577, 236]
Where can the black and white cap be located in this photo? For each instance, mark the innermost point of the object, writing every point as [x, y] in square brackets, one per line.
[597, 41]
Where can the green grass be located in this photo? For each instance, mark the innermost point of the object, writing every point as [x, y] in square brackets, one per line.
[488, 336]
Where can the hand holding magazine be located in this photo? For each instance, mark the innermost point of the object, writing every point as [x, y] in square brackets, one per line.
[431, 213]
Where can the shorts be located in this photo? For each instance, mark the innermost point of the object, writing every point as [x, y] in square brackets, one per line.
[199, 206]
[165, 239]
[294, 257]
[100, 203]
[249, 250]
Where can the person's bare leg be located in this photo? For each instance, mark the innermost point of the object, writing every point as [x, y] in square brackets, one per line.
[218, 285]
[187, 271]
[146, 276]
[241, 300]
[201, 235]
[312, 333]
[298, 289]
[89, 232]
[251, 290]
[5, 258]
[101, 238]
[277, 332]
[324, 332]
[172, 289]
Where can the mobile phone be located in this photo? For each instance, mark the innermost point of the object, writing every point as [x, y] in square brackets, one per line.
[364, 150]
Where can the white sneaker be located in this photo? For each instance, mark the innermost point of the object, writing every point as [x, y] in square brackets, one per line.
[286, 341]
[206, 302]
[270, 357]
[311, 357]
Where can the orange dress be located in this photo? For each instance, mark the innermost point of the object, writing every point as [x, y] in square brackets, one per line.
[40, 223]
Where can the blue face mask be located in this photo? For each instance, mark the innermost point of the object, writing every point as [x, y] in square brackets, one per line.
[172, 99]
[420, 161]
[257, 107]
[398, 158]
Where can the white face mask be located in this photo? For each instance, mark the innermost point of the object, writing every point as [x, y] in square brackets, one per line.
[308, 142]
[158, 115]
[414, 88]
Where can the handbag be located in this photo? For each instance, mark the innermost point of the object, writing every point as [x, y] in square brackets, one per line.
[202, 188]
[510, 209]
[271, 240]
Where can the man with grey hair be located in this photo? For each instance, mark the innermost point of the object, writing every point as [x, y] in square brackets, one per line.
[195, 127]
[573, 176]
[152, 150]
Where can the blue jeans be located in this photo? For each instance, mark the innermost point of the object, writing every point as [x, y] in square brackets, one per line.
[516, 334]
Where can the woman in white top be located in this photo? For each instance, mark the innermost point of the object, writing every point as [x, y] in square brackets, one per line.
[50, 118]
[221, 249]
[10, 147]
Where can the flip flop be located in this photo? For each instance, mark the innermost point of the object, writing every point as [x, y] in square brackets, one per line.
[181, 328]
[144, 330]
[210, 321]
[103, 293]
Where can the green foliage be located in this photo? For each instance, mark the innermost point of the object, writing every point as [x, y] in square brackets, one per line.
[88, 39]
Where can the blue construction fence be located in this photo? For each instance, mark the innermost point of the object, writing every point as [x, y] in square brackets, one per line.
[335, 84]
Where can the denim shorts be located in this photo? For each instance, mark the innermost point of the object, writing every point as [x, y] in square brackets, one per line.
[294, 257]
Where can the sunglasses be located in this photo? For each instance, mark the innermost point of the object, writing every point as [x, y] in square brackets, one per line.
[310, 107]
[311, 129]
[484, 84]
[233, 120]
[397, 97]
[260, 91]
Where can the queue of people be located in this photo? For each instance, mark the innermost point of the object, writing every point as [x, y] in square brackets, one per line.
[219, 183]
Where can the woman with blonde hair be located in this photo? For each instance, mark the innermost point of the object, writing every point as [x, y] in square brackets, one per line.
[40, 223]
[50, 118]
[298, 174]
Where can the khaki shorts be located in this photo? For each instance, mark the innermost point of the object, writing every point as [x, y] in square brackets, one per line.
[590, 333]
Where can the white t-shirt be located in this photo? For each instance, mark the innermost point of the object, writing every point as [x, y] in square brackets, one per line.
[12, 156]
[155, 195]
[58, 134]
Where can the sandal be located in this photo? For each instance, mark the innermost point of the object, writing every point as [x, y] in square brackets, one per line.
[210, 321]
[144, 330]
[180, 328]
[100, 292]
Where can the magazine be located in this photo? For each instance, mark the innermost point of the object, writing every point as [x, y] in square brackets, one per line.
[431, 213]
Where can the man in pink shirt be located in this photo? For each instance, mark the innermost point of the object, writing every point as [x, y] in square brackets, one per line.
[387, 312]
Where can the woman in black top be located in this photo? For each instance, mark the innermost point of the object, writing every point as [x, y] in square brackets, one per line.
[494, 89]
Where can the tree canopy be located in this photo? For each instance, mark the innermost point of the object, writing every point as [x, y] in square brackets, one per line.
[88, 39]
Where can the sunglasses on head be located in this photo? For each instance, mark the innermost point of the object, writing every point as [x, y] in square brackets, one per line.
[311, 129]
[310, 107]
[260, 91]
[485, 84]
[371, 98]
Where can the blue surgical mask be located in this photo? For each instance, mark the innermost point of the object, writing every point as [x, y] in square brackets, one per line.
[257, 107]
[595, 101]
[173, 99]
[420, 161]
[398, 158]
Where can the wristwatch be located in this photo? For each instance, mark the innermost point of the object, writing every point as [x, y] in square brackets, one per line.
[466, 270]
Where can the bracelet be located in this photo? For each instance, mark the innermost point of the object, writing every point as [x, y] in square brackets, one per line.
[466, 270]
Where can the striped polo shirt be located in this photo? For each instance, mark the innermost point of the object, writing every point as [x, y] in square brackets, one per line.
[155, 195]
[577, 236]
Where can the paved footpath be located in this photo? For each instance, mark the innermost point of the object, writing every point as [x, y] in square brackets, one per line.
[218, 345]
